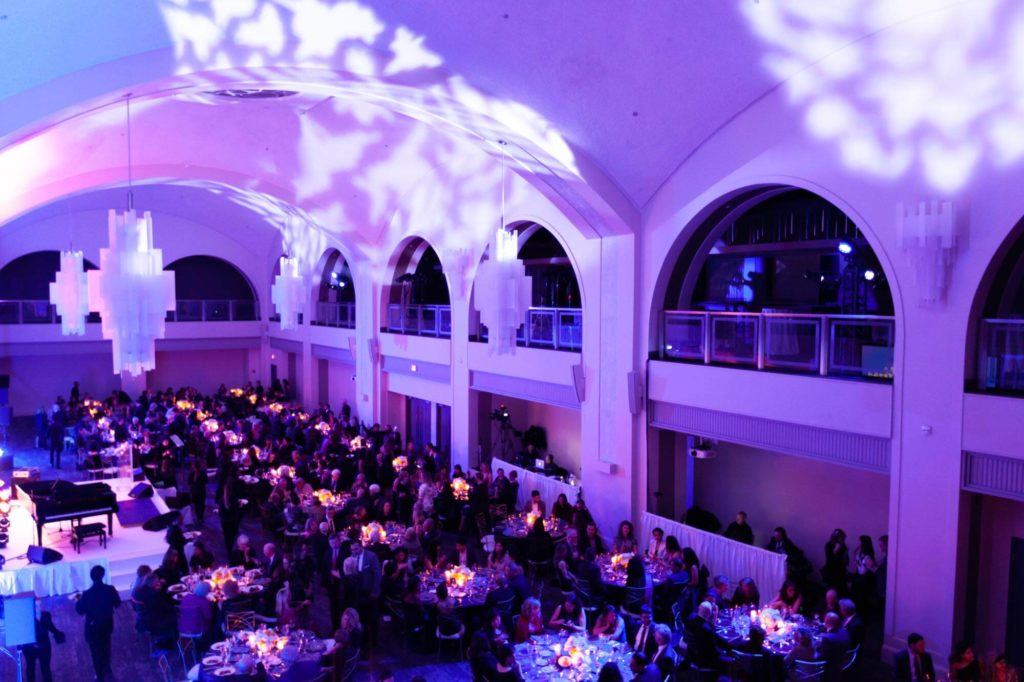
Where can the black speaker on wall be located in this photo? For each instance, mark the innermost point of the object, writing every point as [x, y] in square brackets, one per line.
[43, 555]
[141, 492]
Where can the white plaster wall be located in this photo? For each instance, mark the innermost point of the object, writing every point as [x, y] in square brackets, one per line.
[807, 497]
[205, 370]
[38, 379]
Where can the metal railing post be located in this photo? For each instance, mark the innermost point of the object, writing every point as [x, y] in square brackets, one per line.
[824, 345]
[761, 332]
[707, 338]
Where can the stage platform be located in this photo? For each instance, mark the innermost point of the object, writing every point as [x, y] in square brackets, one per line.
[126, 549]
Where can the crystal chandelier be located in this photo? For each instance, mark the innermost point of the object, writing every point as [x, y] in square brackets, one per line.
[131, 291]
[288, 293]
[69, 294]
[503, 289]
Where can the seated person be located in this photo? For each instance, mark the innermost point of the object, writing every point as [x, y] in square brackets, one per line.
[788, 600]
[701, 640]
[196, 616]
[625, 541]
[803, 650]
[448, 622]
[656, 545]
[609, 625]
[569, 615]
[529, 622]
[202, 557]
[754, 643]
[746, 594]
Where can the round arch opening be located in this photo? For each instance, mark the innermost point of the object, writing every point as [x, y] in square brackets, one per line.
[417, 297]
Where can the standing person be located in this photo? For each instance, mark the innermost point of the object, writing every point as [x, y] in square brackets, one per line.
[56, 437]
[42, 426]
[42, 650]
[97, 604]
[197, 480]
[230, 511]
[75, 394]
[837, 561]
[739, 530]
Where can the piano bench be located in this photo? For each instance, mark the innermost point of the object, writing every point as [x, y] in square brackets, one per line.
[88, 530]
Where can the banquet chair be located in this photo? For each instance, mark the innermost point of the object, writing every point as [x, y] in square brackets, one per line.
[456, 637]
[347, 668]
[188, 643]
[750, 667]
[166, 671]
[240, 620]
[850, 663]
[803, 671]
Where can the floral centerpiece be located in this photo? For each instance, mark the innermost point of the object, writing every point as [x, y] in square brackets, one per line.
[771, 621]
[185, 405]
[460, 489]
[253, 398]
[457, 578]
[220, 576]
[276, 408]
[400, 462]
[531, 518]
[323, 427]
[210, 426]
[232, 438]
[573, 654]
[266, 641]
[373, 532]
[236, 392]
[619, 562]
[302, 416]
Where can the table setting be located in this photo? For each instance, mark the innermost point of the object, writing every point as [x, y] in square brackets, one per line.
[733, 625]
[519, 525]
[249, 582]
[388, 533]
[552, 656]
[468, 587]
[264, 654]
[613, 569]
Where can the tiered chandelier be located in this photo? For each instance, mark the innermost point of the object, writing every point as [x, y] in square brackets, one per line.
[288, 293]
[131, 290]
[503, 289]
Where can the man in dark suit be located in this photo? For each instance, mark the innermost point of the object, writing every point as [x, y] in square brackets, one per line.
[852, 622]
[369, 579]
[97, 604]
[333, 561]
[914, 664]
[643, 670]
[589, 574]
[832, 648]
[664, 656]
[739, 530]
[700, 638]
[42, 650]
[642, 639]
[464, 554]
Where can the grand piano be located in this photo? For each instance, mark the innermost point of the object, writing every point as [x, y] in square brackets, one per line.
[53, 501]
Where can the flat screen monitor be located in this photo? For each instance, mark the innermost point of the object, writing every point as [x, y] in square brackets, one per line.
[538, 463]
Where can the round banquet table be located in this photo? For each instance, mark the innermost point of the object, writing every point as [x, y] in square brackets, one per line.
[615, 576]
[732, 626]
[249, 583]
[474, 596]
[537, 658]
[225, 655]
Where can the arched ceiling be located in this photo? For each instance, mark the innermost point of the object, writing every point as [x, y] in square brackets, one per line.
[598, 100]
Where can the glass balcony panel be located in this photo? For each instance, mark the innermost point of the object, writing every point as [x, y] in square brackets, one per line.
[37, 312]
[861, 347]
[734, 339]
[570, 329]
[1003, 359]
[188, 311]
[444, 313]
[684, 336]
[428, 320]
[542, 328]
[216, 311]
[10, 312]
[411, 320]
[243, 310]
[395, 318]
[793, 343]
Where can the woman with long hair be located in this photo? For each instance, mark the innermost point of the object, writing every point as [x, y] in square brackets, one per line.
[529, 622]
[747, 594]
[638, 585]
[625, 540]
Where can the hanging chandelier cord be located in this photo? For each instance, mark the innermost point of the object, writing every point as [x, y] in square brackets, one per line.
[128, 122]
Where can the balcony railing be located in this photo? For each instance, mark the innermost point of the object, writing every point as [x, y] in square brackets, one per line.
[34, 312]
[335, 314]
[213, 311]
[1001, 356]
[420, 320]
[555, 328]
[827, 345]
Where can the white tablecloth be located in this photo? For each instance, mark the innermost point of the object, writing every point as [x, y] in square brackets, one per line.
[529, 481]
[722, 555]
[62, 577]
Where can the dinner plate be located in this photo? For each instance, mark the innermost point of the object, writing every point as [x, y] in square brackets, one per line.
[548, 669]
[211, 661]
[178, 596]
[174, 589]
[220, 646]
[226, 671]
[252, 589]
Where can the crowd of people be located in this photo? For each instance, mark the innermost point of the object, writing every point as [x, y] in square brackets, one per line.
[355, 517]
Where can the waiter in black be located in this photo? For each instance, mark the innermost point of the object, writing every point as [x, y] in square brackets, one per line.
[97, 605]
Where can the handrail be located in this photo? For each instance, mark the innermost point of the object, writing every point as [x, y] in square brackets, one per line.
[1001, 355]
[808, 343]
[547, 327]
[32, 311]
[335, 314]
[419, 319]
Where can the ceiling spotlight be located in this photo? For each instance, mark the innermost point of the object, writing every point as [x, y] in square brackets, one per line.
[341, 285]
[869, 275]
[845, 248]
[334, 275]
